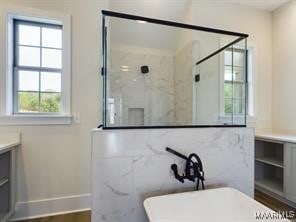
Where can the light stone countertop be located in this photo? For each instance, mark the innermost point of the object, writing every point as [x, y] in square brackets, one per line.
[9, 141]
[277, 137]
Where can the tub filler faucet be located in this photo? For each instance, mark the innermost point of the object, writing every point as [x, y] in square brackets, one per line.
[193, 168]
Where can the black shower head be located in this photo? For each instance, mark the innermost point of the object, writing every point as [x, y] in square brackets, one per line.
[144, 69]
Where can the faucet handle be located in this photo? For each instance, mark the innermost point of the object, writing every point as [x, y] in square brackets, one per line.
[174, 168]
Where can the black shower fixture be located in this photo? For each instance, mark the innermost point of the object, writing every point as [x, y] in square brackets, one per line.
[193, 168]
[144, 69]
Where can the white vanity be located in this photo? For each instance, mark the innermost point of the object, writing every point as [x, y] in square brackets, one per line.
[8, 148]
[275, 166]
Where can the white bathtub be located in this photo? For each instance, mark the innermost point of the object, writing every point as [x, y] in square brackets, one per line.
[213, 205]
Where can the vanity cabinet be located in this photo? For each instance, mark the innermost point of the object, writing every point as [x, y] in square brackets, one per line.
[275, 166]
[290, 171]
[8, 150]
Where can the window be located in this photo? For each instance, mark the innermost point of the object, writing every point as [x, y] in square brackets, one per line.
[234, 79]
[37, 68]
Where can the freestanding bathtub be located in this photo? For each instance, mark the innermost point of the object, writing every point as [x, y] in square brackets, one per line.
[213, 205]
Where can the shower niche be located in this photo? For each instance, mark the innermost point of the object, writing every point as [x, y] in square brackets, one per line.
[159, 73]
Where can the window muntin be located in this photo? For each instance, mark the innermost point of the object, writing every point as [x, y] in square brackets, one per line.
[37, 67]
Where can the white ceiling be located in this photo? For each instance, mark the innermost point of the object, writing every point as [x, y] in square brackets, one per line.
[143, 34]
[174, 10]
[268, 5]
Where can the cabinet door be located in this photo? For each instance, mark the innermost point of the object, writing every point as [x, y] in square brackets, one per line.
[290, 171]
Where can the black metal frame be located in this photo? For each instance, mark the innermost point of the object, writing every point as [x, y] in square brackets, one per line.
[170, 23]
[219, 50]
[106, 13]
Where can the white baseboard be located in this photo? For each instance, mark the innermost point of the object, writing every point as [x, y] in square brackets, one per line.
[50, 207]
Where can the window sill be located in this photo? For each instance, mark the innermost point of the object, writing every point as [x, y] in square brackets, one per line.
[225, 118]
[20, 120]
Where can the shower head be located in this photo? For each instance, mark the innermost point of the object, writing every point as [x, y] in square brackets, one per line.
[144, 69]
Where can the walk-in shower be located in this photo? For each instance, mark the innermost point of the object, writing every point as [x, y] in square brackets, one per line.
[160, 73]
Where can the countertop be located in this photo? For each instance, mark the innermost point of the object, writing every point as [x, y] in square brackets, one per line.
[276, 137]
[9, 141]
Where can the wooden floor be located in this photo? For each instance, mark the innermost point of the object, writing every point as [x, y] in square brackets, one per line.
[273, 204]
[73, 217]
[85, 216]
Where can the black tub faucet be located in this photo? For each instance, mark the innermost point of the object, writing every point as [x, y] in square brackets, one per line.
[193, 168]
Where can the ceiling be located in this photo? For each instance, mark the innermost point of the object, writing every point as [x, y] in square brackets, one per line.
[268, 5]
[176, 9]
[140, 34]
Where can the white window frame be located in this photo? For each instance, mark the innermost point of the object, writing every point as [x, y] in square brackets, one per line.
[7, 116]
[251, 119]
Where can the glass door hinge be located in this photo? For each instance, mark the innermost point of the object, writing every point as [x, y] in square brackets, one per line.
[197, 78]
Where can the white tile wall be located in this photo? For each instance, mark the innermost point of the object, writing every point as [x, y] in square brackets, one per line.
[131, 165]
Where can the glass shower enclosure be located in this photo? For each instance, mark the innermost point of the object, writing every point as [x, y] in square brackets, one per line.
[162, 74]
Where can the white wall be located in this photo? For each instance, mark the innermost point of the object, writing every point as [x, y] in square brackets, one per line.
[256, 23]
[55, 160]
[284, 69]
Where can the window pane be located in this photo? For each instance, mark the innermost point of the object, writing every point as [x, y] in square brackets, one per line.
[238, 74]
[50, 82]
[228, 58]
[50, 102]
[228, 73]
[238, 58]
[52, 58]
[29, 35]
[28, 81]
[228, 106]
[51, 38]
[28, 102]
[228, 90]
[29, 56]
[239, 91]
[238, 106]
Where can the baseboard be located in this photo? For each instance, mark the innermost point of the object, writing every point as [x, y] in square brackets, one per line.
[52, 206]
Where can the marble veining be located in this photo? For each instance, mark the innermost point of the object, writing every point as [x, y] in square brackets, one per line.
[131, 165]
[153, 92]
[183, 66]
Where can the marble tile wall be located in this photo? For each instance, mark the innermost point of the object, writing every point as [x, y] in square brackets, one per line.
[153, 92]
[183, 85]
[131, 165]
